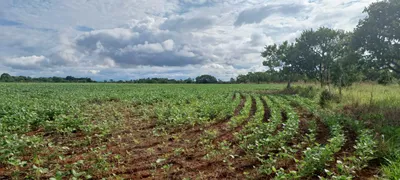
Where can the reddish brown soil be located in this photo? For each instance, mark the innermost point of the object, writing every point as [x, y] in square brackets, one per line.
[240, 106]
[281, 125]
[323, 132]
[290, 164]
[140, 163]
[194, 165]
[229, 134]
[369, 172]
[267, 111]
[348, 147]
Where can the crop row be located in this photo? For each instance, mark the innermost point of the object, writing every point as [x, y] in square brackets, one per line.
[287, 153]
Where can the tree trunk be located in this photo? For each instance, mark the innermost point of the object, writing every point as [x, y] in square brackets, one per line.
[289, 84]
[321, 75]
[340, 85]
[328, 74]
[340, 79]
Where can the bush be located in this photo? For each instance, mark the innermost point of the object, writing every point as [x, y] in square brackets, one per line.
[386, 78]
[326, 97]
[307, 92]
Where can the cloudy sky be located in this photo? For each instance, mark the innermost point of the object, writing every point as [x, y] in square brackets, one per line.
[131, 39]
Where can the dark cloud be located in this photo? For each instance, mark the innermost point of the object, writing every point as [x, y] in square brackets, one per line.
[111, 38]
[136, 47]
[256, 15]
[165, 58]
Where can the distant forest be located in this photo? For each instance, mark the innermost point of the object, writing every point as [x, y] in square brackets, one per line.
[5, 77]
[270, 76]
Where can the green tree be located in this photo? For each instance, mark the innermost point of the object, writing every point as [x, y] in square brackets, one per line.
[205, 79]
[5, 77]
[188, 80]
[242, 79]
[378, 34]
[318, 51]
[346, 68]
[232, 81]
[283, 57]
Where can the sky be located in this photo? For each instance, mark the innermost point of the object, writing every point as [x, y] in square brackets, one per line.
[132, 39]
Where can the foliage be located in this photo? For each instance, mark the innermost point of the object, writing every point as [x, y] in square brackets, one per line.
[161, 81]
[308, 92]
[283, 57]
[206, 79]
[378, 34]
[270, 76]
[326, 97]
[8, 78]
[386, 78]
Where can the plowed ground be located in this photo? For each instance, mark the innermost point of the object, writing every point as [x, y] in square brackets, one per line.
[142, 150]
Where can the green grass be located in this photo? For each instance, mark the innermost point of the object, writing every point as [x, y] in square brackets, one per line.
[392, 170]
[390, 151]
[383, 96]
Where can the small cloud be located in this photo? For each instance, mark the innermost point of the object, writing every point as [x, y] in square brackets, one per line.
[94, 71]
[258, 39]
[256, 15]
[168, 45]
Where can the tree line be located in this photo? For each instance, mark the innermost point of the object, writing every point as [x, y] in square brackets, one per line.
[340, 58]
[5, 77]
[203, 79]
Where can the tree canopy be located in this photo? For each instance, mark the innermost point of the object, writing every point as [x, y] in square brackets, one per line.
[205, 79]
[5, 77]
[340, 58]
[378, 35]
[283, 57]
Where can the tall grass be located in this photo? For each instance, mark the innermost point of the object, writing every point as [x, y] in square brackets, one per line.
[366, 94]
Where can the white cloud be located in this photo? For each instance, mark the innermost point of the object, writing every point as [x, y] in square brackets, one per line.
[94, 71]
[177, 38]
[26, 62]
[168, 45]
[144, 48]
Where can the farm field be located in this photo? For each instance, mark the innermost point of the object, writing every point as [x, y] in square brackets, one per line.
[128, 131]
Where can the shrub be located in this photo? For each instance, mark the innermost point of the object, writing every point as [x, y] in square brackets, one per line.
[307, 92]
[327, 96]
[386, 78]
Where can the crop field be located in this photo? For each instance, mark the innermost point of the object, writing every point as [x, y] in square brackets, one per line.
[127, 131]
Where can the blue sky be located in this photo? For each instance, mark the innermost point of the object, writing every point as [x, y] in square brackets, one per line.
[130, 39]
